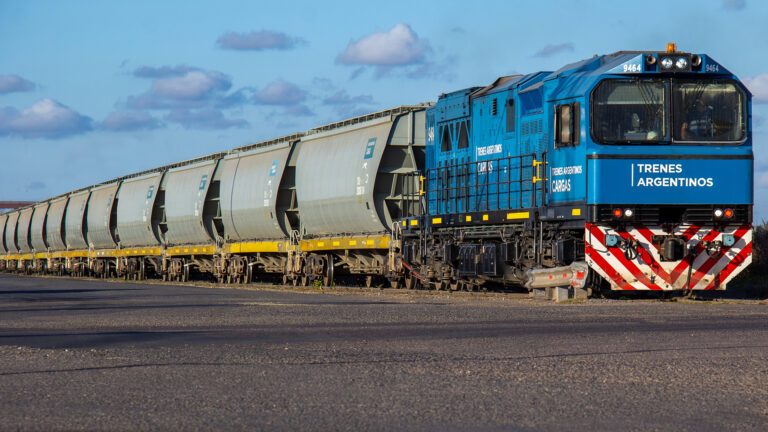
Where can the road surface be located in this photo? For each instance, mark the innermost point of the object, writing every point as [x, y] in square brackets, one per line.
[78, 354]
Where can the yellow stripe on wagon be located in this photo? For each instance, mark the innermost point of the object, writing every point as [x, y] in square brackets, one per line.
[258, 247]
[342, 243]
[518, 215]
[191, 249]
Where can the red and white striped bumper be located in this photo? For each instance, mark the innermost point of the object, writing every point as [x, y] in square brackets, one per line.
[645, 270]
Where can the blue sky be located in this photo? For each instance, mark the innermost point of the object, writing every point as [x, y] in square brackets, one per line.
[90, 90]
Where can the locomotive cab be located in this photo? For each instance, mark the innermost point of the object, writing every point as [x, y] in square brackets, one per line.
[669, 190]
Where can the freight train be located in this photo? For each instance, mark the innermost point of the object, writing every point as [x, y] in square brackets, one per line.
[627, 171]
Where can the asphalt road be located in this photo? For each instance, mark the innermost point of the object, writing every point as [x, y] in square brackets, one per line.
[125, 356]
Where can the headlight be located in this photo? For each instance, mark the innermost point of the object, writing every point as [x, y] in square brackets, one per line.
[718, 213]
[619, 213]
[666, 63]
[696, 61]
[681, 63]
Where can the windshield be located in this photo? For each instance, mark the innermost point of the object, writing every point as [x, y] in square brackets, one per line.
[630, 111]
[708, 111]
[626, 111]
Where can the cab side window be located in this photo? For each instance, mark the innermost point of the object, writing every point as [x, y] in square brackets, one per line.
[567, 125]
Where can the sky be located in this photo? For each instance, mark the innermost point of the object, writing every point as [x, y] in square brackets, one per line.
[91, 91]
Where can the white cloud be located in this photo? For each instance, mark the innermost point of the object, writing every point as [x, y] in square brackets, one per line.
[185, 87]
[15, 83]
[759, 88]
[192, 85]
[280, 93]
[192, 97]
[399, 46]
[46, 118]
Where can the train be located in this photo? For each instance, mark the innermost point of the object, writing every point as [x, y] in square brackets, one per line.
[630, 171]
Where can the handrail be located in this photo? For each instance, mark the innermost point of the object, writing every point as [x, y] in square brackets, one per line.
[496, 184]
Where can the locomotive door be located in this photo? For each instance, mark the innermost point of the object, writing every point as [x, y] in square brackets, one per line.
[565, 159]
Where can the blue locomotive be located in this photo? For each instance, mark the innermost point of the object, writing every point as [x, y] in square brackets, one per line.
[635, 167]
[627, 171]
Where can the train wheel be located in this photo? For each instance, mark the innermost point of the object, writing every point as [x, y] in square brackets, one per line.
[328, 278]
[394, 283]
[410, 282]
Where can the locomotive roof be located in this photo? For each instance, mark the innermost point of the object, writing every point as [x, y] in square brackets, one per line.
[579, 75]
